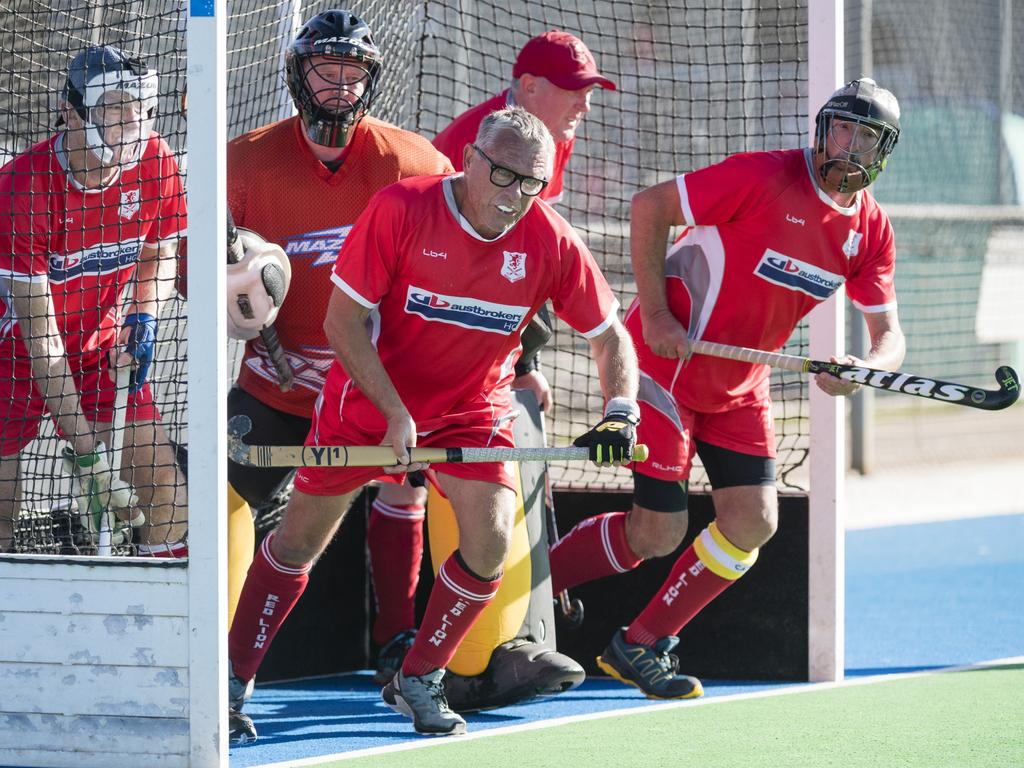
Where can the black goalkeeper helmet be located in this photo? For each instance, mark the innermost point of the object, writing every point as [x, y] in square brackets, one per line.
[97, 71]
[328, 112]
[864, 120]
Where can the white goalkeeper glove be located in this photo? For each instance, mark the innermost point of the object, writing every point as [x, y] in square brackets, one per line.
[257, 286]
[97, 487]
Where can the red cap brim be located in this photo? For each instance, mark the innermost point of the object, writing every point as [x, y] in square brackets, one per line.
[576, 81]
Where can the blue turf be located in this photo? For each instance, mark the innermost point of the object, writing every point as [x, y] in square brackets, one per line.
[939, 594]
[917, 596]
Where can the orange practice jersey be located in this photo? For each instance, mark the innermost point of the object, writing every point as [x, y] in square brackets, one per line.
[278, 188]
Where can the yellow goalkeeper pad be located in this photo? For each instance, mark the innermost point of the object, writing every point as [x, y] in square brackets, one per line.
[503, 618]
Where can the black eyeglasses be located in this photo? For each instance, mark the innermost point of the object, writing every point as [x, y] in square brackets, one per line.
[506, 177]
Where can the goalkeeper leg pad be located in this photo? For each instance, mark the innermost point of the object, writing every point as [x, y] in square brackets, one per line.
[518, 670]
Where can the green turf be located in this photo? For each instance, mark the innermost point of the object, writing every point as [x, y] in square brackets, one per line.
[971, 719]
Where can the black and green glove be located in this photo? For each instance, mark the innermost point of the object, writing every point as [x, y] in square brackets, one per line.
[611, 441]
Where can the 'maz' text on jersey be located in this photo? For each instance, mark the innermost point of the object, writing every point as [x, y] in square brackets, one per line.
[322, 245]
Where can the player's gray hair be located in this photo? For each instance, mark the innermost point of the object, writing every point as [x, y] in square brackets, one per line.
[527, 126]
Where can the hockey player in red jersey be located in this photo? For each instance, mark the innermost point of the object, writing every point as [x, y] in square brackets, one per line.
[769, 235]
[553, 77]
[432, 289]
[88, 216]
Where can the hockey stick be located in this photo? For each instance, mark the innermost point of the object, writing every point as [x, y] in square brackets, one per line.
[381, 455]
[285, 376]
[908, 384]
[104, 544]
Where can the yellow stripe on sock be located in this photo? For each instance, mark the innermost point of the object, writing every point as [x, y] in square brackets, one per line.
[721, 556]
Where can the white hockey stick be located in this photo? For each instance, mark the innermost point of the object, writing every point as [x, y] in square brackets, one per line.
[104, 546]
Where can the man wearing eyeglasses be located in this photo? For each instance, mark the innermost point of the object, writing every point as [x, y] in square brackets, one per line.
[553, 78]
[768, 236]
[432, 288]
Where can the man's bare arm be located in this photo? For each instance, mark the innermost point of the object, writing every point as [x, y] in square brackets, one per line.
[888, 348]
[154, 284]
[616, 362]
[32, 305]
[154, 278]
[654, 212]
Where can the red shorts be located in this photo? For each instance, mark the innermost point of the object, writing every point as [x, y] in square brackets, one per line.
[22, 407]
[363, 425]
[670, 432]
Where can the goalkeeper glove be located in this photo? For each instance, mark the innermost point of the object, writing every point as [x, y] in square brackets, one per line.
[96, 486]
[612, 440]
[140, 345]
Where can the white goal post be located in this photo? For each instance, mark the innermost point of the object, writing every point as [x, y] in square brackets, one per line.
[207, 376]
[826, 546]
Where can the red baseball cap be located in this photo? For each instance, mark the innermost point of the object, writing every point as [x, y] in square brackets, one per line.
[561, 58]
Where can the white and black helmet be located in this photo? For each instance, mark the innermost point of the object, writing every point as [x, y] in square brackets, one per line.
[864, 102]
[338, 34]
[98, 70]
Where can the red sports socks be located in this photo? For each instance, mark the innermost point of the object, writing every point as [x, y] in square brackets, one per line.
[596, 547]
[394, 535]
[271, 590]
[456, 600]
[701, 573]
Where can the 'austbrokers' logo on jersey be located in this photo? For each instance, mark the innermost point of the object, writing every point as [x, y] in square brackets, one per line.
[322, 246]
[463, 311]
[797, 275]
[98, 260]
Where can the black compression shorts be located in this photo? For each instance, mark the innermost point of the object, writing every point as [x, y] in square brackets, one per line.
[258, 485]
[725, 468]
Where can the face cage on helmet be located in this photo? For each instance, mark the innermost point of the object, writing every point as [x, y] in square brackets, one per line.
[884, 147]
[142, 88]
[324, 126]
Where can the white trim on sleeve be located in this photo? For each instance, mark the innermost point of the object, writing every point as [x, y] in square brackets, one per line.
[605, 324]
[21, 277]
[874, 308]
[351, 292]
[684, 200]
[181, 234]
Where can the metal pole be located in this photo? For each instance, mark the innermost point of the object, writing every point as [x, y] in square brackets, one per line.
[1004, 187]
[867, 46]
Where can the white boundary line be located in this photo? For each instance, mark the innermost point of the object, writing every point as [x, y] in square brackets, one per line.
[789, 688]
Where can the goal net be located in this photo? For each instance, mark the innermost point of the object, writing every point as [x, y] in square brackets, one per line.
[38, 41]
[736, 81]
[694, 84]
